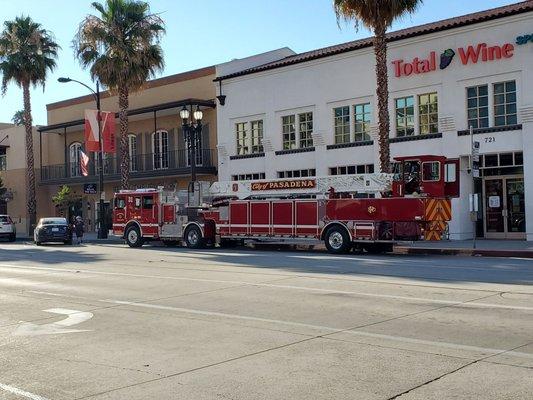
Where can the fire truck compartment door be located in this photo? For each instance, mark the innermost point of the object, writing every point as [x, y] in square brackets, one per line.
[238, 212]
[283, 218]
[307, 218]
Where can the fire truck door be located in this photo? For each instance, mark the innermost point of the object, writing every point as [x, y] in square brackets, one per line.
[149, 215]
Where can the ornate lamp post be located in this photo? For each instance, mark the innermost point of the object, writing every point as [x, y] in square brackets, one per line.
[191, 130]
[102, 231]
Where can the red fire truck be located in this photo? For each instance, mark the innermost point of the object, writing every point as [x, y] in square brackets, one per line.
[363, 211]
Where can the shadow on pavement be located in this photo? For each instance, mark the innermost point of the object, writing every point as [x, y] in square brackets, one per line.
[53, 254]
[421, 267]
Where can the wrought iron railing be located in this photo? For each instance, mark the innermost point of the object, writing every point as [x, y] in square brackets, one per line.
[139, 164]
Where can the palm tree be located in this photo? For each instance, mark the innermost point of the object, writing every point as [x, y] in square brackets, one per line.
[378, 16]
[27, 53]
[121, 48]
[18, 118]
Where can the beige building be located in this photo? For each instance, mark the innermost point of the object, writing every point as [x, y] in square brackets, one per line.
[157, 146]
[13, 174]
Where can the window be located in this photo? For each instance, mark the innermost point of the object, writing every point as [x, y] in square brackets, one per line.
[305, 121]
[505, 103]
[298, 173]
[137, 202]
[341, 117]
[405, 116]
[148, 202]
[428, 115]
[132, 150]
[120, 202]
[450, 173]
[3, 159]
[362, 121]
[242, 142]
[160, 149]
[431, 171]
[477, 99]
[248, 177]
[74, 159]
[252, 142]
[352, 169]
[257, 136]
[107, 162]
[288, 128]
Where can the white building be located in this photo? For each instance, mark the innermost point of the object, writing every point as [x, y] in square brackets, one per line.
[315, 112]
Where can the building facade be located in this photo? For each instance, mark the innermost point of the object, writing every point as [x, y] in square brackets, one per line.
[157, 147]
[315, 113]
[13, 175]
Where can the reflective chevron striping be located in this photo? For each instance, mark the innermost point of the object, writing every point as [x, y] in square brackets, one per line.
[438, 210]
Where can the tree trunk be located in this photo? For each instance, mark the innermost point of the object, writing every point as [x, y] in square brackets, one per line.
[31, 202]
[382, 93]
[123, 103]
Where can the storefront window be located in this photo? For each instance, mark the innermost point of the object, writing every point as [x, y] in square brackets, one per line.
[288, 128]
[405, 116]
[505, 103]
[363, 114]
[428, 113]
[342, 124]
[477, 98]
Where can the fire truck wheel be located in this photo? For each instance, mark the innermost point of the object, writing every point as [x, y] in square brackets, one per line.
[193, 237]
[337, 240]
[133, 237]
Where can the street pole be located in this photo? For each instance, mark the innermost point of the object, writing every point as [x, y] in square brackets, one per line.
[474, 206]
[192, 143]
[102, 231]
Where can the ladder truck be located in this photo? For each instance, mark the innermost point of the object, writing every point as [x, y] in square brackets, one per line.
[362, 211]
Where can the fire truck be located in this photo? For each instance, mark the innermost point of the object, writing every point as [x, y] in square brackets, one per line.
[360, 211]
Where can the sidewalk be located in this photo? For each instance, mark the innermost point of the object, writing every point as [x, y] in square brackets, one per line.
[91, 237]
[484, 247]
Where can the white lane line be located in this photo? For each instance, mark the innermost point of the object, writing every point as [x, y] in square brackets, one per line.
[401, 339]
[20, 392]
[300, 288]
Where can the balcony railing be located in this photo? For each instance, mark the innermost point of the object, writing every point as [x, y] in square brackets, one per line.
[174, 162]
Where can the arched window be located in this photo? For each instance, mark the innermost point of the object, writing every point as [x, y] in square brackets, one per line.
[160, 149]
[132, 150]
[74, 159]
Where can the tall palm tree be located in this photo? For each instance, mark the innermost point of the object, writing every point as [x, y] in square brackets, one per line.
[121, 48]
[378, 16]
[27, 53]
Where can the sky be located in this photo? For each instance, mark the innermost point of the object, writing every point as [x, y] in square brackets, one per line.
[206, 32]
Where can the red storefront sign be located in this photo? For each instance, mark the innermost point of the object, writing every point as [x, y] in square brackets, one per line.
[468, 55]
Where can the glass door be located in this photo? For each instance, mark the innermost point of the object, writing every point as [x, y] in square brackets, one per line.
[516, 208]
[504, 204]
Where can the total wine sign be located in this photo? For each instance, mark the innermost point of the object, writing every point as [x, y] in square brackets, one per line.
[468, 55]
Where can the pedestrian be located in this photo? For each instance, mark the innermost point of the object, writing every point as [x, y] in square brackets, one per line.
[79, 228]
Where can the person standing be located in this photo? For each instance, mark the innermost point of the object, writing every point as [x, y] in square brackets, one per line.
[79, 229]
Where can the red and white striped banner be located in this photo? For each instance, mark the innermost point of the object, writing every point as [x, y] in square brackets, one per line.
[107, 126]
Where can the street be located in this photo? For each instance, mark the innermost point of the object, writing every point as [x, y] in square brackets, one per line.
[111, 322]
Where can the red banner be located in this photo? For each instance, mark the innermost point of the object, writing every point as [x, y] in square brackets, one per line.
[107, 127]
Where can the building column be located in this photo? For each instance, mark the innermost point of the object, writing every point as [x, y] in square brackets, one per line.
[527, 137]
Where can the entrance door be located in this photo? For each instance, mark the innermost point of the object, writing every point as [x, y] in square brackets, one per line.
[504, 204]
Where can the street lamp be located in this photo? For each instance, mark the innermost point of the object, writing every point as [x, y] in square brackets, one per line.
[191, 130]
[102, 231]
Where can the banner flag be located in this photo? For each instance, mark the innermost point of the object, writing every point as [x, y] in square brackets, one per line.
[91, 130]
[108, 132]
[84, 163]
[107, 127]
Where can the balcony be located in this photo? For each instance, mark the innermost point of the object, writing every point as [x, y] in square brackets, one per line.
[142, 166]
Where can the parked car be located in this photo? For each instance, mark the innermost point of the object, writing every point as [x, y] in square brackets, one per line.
[7, 228]
[52, 230]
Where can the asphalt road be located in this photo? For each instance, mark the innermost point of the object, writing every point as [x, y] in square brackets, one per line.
[110, 322]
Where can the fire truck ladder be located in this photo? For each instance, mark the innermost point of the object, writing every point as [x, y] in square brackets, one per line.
[319, 186]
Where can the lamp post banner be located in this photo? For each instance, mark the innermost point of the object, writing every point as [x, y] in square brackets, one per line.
[108, 131]
[91, 130]
[107, 126]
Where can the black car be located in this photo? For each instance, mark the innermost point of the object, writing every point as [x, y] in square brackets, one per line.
[52, 230]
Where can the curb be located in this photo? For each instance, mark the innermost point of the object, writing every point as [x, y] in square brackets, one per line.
[464, 252]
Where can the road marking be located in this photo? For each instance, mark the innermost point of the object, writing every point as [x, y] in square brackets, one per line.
[74, 317]
[401, 339]
[20, 392]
